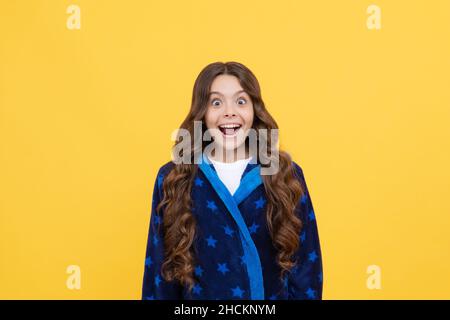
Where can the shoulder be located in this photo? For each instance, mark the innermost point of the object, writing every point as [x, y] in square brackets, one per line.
[298, 172]
[162, 173]
[288, 161]
[297, 168]
[164, 170]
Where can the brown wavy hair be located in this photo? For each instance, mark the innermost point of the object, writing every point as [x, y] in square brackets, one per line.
[283, 190]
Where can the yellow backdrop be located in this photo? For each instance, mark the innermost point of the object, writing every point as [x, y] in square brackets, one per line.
[90, 92]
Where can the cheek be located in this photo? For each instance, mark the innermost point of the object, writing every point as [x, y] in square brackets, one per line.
[248, 117]
[210, 119]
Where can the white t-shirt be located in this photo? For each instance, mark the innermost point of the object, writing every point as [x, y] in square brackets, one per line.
[230, 172]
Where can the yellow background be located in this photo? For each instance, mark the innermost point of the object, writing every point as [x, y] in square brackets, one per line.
[86, 117]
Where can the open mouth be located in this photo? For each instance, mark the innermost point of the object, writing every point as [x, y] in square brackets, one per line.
[229, 129]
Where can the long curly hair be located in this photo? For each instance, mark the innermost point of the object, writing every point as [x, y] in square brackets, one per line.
[283, 190]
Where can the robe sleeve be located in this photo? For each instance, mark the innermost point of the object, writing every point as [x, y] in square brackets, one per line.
[155, 287]
[306, 279]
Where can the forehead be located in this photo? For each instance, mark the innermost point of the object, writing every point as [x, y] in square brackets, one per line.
[226, 85]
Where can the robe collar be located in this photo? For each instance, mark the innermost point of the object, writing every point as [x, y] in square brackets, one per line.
[250, 180]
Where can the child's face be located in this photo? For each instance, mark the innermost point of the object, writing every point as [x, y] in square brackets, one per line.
[229, 111]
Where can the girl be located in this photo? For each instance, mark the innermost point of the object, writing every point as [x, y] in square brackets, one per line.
[219, 228]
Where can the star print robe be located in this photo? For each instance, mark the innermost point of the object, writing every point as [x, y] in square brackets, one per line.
[235, 257]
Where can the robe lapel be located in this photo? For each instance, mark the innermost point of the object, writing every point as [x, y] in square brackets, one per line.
[250, 181]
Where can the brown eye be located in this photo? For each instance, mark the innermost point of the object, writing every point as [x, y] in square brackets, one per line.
[213, 102]
[242, 99]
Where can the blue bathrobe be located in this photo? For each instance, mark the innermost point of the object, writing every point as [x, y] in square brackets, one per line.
[235, 257]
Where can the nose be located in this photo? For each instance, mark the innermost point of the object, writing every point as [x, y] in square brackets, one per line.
[229, 111]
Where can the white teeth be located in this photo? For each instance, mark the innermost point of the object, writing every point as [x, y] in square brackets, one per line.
[230, 126]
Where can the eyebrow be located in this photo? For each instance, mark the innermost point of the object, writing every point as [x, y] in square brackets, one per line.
[217, 92]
